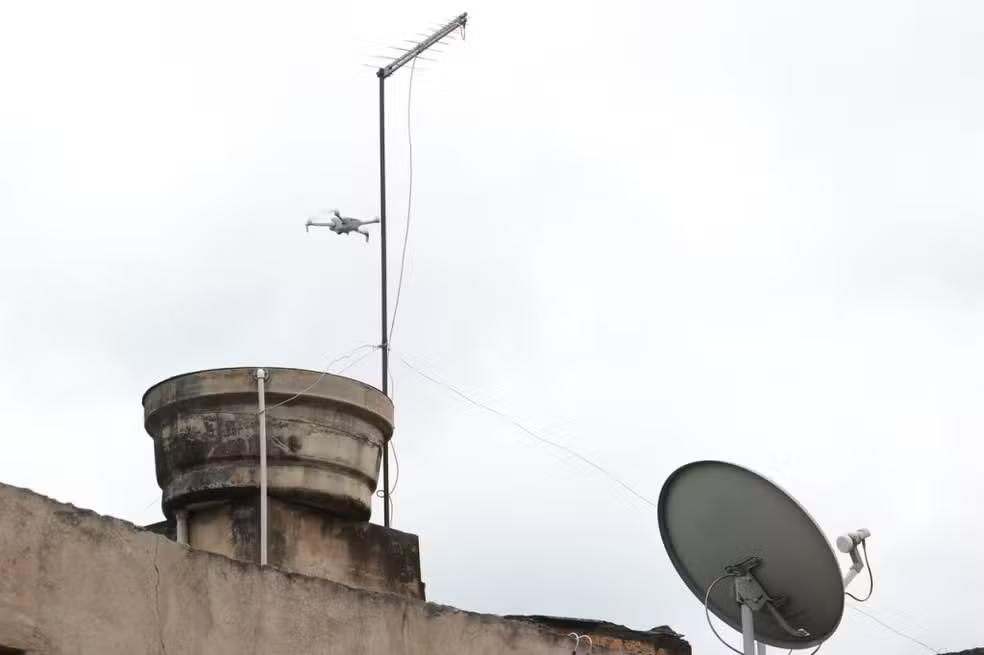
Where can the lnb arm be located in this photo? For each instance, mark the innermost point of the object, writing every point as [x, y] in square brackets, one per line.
[848, 543]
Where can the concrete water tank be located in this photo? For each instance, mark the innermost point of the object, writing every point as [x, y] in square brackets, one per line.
[324, 445]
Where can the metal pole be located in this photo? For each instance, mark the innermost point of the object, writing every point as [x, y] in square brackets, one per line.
[260, 382]
[382, 74]
[747, 629]
[384, 340]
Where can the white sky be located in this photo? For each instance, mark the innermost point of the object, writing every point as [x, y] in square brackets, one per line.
[656, 232]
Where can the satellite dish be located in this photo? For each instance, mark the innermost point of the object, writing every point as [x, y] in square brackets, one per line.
[752, 554]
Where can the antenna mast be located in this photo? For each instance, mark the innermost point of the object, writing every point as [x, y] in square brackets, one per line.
[383, 73]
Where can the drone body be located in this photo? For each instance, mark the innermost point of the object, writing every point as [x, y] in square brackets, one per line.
[342, 224]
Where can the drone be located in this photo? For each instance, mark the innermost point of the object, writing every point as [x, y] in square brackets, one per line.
[341, 224]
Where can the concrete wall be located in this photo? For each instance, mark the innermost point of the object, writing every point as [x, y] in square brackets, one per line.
[309, 541]
[73, 582]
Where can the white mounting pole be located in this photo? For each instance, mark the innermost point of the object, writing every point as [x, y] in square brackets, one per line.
[747, 629]
[181, 526]
[260, 382]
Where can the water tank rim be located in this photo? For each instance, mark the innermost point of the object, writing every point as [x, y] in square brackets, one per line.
[143, 398]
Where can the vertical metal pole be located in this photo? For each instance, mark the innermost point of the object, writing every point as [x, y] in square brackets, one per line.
[260, 386]
[382, 73]
[384, 342]
[747, 629]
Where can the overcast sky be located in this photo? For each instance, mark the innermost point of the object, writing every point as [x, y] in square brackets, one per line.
[655, 232]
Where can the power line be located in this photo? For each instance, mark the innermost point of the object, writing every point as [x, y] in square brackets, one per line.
[406, 230]
[896, 631]
[612, 477]
[324, 373]
[528, 431]
[357, 360]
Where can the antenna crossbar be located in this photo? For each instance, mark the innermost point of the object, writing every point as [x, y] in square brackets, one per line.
[419, 49]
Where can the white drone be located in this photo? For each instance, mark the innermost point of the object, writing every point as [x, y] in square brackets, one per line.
[341, 224]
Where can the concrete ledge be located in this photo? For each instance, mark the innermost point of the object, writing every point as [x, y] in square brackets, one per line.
[76, 582]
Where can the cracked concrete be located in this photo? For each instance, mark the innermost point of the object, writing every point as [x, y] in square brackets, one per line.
[157, 595]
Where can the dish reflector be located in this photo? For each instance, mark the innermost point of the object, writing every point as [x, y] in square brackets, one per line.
[713, 515]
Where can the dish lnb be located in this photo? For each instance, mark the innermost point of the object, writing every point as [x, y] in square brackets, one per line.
[848, 542]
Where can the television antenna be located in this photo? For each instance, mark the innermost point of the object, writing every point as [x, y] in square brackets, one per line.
[407, 56]
[754, 557]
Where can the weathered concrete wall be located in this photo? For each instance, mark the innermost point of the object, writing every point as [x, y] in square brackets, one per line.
[309, 541]
[73, 582]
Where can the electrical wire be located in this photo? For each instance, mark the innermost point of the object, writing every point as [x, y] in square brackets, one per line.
[564, 460]
[528, 431]
[707, 612]
[577, 642]
[396, 460]
[396, 479]
[896, 631]
[280, 444]
[323, 374]
[356, 361]
[584, 459]
[381, 493]
[707, 615]
[871, 576]
[406, 231]
[396, 473]
[327, 369]
[396, 467]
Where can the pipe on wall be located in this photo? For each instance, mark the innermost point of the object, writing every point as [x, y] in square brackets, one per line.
[181, 526]
[261, 400]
